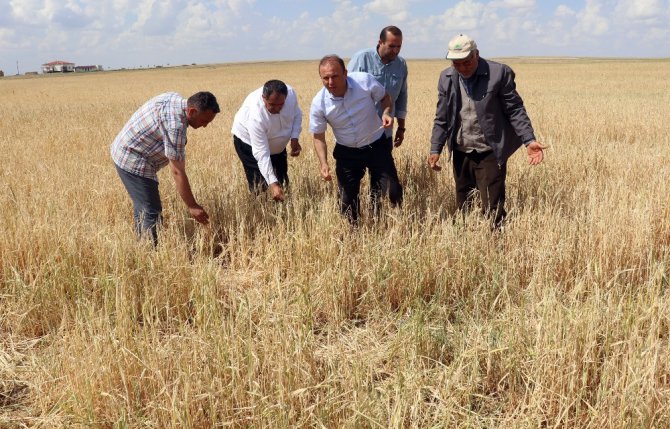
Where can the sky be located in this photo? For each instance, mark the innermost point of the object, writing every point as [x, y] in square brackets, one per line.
[142, 33]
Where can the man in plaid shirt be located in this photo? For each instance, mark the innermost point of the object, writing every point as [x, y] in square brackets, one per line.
[154, 137]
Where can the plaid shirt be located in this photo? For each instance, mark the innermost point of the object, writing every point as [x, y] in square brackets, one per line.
[155, 134]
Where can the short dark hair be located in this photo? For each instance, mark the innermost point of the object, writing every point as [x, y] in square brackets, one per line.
[332, 58]
[273, 86]
[202, 101]
[389, 29]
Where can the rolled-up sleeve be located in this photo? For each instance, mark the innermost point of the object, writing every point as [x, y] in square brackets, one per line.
[401, 101]
[317, 117]
[172, 125]
[174, 140]
[376, 89]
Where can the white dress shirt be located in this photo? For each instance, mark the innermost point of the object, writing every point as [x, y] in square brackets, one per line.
[267, 133]
[354, 117]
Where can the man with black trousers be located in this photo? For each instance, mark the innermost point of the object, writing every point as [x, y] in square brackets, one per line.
[482, 119]
[268, 120]
[390, 69]
[347, 102]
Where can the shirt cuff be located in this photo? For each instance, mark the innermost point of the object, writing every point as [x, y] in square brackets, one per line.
[527, 139]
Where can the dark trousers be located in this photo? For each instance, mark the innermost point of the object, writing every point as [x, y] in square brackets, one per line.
[254, 177]
[480, 171]
[350, 167]
[391, 182]
[147, 206]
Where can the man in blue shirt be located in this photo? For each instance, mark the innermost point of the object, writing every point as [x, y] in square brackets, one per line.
[390, 70]
[347, 102]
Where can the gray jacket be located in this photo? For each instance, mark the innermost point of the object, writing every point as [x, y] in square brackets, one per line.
[499, 107]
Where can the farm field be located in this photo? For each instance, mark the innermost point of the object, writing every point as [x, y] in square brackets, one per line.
[280, 315]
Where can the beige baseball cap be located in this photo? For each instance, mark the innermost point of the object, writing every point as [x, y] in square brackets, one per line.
[460, 47]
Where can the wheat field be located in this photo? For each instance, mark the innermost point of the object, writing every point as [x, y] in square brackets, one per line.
[280, 315]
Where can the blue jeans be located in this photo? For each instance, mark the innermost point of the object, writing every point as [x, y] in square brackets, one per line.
[147, 206]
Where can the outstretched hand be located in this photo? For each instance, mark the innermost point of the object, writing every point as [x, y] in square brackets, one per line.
[535, 152]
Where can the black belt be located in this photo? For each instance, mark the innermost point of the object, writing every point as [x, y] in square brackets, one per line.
[379, 141]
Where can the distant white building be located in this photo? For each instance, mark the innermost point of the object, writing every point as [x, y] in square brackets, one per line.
[87, 68]
[58, 67]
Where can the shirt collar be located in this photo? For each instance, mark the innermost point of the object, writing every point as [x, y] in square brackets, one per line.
[482, 67]
[379, 58]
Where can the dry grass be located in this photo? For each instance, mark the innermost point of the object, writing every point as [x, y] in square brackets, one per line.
[280, 316]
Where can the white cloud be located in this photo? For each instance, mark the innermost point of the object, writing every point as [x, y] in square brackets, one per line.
[464, 16]
[236, 6]
[6, 38]
[639, 9]
[499, 22]
[590, 21]
[343, 32]
[195, 19]
[563, 10]
[514, 4]
[131, 32]
[31, 12]
[395, 10]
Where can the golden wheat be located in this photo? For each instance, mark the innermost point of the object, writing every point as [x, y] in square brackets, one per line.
[279, 315]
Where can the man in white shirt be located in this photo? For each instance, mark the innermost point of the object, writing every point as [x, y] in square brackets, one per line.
[347, 103]
[268, 119]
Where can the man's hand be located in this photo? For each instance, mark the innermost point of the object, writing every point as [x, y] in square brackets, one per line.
[199, 214]
[399, 137]
[322, 154]
[325, 173]
[535, 152]
[433, 161]
[295, 148]
[277, 192]
[387, 120]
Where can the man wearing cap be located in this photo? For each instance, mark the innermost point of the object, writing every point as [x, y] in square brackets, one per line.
[347, 103]
[268, 120]
[481, 118]
[384, 63]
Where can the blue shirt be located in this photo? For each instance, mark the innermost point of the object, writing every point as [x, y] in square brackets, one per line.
[393, 76]
[353, 118]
